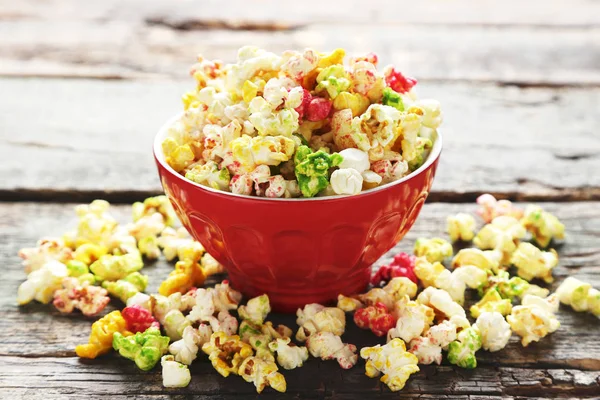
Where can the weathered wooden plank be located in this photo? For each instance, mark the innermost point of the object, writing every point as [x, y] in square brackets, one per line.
[96, 137]
[164, 46]
[39, 331]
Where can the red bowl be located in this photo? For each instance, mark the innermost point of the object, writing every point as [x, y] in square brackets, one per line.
[298, 251]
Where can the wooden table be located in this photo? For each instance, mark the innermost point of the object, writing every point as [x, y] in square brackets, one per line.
[85, 85]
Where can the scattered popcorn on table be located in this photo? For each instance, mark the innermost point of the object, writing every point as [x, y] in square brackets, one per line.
[543, 226]
[256, 309]
[90, 300]
[488, 260]
[462, 351]
[143, 348]
[532, 262]
[581, 296]
[328, 346]
[47, 249]
[393, 361]
[502, 234]
[140, 299]
[174, 374]
[152, 205]
[289, 356]
[138, 319]
[348, 304]
[314, 318]
[491, 208]
[534, 319]
[175, 323]
[376, 318]
[88, 253]
[113, 268]
[434, 249]
[101, 336]
[42, 283]
[492, 301]
[262, 373]
[80, 270]
[507, 287]
[226, 353]
[127, 287]
[185, 349]
[495, 331]
[412, 318]
[441, 302]
[461, 227]
[428, 348]
[403, 264]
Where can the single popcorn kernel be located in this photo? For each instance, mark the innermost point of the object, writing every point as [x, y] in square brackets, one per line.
[75, 294]
[138, 319]
[435, 249]
[144, 348]
[262, 373]
[579, 295]
[543, 226]
[376, 318]
[532, 262]
[461, 227]
[393, 361]
[101, 336]
[226, 353]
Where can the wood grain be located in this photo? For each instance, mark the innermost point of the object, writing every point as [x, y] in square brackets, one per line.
[73, 140]
[432, 40]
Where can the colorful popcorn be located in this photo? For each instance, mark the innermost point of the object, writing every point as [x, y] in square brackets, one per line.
[138, 319]
[434, 249]
[256, 309]
[534, 318]
[502, 234]
[262, 373]
[492, 301]
[462, 351]
[289, 356]
[490, 208]
[175, 324]
[42, 283]
[441, 302]
[47, 249]
[113, 268]
[376, 318]
[393, 361]
[174, 374]
[153, 205]
[532, 262]
[187, 274]
[185, 349]
[101, 336]
[461, 227]
[226, 353]
[428, 348]
[329, 346]
[412, 319]
[267, 109]
[403, 264]
[507, 287]
[127, 287]
[144, 348]
[90, 300]
[543, 226]
[348, 304]
[488, 260]
[495, 331]
[314, 318]
[579, 295]
[395, 290]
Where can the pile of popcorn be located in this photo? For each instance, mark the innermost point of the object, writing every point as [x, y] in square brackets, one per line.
[300, 124]
[416, 303]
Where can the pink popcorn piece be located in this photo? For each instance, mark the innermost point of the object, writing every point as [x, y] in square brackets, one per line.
[302, 108]
[403, 264]
[491, 208]
[398, 82]
[318, 109]
[138, 319]
[90, 300]
[369, 57]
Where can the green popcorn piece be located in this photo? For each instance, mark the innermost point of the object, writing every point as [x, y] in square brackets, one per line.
[127, 287]
[248, 329]
[78, 269]
[144, 348]
[507, 287]
[462, 351]
[333, 79]
[113, 268]
[312, 169]
[393, 99]
[491, 301]
[256, 310]
[423, 145]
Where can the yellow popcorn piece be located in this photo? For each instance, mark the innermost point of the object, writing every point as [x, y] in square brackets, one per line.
[348, 304]
[249, 91]
[88, 253]
[261, 150]
[534, 319]
[532, 262]
[461, 227]
[177, 156]
[492, 301]
[488, 260]
[179, 244]
[113, 268]
[210, 175]
[408, 135]
[399, 287]
[262, 373]
[335, 57]
[95, 225]
[186, 275]
[428, 272]
[502, 234]
[542, 225]
[393, 361]
[412, 318]
[356, 102]
[380, 123]
[579, 295]
[101, 336]
[315, 318]
[434, 249]
[226, 353]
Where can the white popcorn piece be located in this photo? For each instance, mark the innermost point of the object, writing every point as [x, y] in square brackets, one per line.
[149, 225]
[393, 361]
[171, 241]
[328, 346]
[42, 283]
[455, 282]
[579, 295]
[502, 234]
[495, 331]
[426, 350]
[440, 300]
[185, 350]
[140, 299]
[174, 374]
[224, 322]
[256, 310]
[161, 305]
[412, 320]
[315, 318]
[289, 356]
[534, 319]
[48, 249]
[355, 159]
[532, 262]
[461, 227]
[175, 323]
[346, 181]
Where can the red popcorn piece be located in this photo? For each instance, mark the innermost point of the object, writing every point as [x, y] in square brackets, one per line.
[90, 300]
[303, 107]
[376, 318]
[403, 264]
[138, 319]
[399, 82]
[318, 109]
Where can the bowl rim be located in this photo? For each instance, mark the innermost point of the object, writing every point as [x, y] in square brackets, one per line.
[160, 158]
